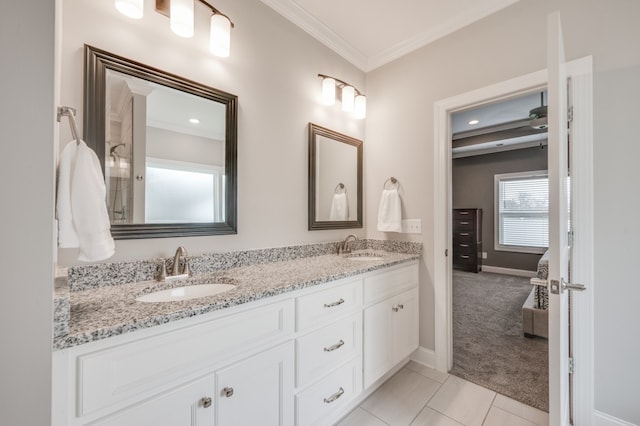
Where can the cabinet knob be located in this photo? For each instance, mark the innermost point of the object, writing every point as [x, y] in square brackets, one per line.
[395, 309]
[401, 306]
[228, 392]
[206, 402]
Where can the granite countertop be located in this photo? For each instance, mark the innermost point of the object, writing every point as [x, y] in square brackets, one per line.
[103, 312]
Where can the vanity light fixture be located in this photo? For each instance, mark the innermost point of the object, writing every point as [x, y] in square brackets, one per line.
[181, 15]
[352, 99]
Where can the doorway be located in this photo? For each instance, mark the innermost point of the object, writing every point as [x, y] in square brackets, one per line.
[500, 227]
[580, 72]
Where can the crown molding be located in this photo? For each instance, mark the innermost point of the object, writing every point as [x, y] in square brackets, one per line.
[307, 22]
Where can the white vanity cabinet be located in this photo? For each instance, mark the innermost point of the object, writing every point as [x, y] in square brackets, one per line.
[300, 358]
[390, 320]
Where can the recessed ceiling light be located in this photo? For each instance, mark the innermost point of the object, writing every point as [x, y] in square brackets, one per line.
[472, 122]
[194, 120]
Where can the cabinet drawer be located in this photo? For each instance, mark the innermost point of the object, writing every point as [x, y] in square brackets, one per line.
[463, 224]
[121, 373]
[465, 248]
[387, 284]
[464, 236]
[327, 347]
[326, 397]
[464, 213]
[329, 304]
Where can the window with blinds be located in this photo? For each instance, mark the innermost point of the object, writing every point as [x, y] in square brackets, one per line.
[522, 212]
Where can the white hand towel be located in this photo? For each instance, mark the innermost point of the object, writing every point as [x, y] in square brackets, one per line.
[85, 207]
[390, 211]
[339, 207]
[67, 237]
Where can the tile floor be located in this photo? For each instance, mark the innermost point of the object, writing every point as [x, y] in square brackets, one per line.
[420, 396]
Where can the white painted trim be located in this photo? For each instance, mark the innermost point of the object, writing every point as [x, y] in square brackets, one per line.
[508, 271]
[424, 356]
[442, 202]
[602, 419]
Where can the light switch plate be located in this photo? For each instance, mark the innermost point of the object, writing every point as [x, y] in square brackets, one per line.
[484, 254]
[412, 226]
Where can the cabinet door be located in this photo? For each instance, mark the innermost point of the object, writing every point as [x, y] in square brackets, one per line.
[405, 327]
[378, 338]
[188, 405]
[258, 390]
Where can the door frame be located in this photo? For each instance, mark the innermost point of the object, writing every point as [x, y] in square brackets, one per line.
[580, 72]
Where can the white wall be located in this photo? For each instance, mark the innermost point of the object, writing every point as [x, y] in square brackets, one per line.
[26, 216]
[273, 69]
[509, 44]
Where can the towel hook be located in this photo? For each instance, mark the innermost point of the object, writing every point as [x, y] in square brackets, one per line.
[393, 181]
[71, 113]
[338, 187]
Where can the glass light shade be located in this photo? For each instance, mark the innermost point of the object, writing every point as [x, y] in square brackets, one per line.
[220, 35]
[348, 95]
[360, 107]
[328, 91]
[130, 8]
[182, 17]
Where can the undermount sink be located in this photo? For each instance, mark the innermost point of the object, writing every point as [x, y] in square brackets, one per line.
[364, 257]
[185, 293]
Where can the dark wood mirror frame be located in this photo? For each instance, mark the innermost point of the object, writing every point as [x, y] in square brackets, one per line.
[96, 63]
[314, 224]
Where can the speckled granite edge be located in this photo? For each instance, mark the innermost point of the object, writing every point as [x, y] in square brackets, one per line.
[61, 305]
[109, 274]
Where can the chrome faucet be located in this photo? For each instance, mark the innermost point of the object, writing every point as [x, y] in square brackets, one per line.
[343, 247]
[181, 252]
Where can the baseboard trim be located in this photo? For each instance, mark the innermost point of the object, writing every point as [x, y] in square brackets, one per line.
[424, 356]
[508, 271]
[602, 419]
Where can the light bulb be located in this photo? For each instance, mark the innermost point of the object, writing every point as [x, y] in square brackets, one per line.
[181, 17]
[348, 95]
[328, 91]
[360, 107]
[130, 8]
[220, 35]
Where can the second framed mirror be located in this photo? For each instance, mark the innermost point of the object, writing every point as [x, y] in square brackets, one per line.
[335, 180]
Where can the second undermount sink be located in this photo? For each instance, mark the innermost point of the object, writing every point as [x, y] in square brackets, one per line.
[185, 293]
[364, 257]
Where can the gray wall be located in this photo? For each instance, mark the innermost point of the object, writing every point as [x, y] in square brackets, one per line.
[505, 45]
[26, 216]
[473, 187]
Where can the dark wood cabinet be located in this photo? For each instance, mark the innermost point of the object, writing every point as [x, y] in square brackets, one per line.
[467, 239]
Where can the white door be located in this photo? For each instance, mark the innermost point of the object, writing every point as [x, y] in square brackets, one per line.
[558, 226]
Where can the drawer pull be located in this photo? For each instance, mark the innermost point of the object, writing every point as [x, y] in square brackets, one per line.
[465, 256]
[334, 396]
[464, 234]
[334, 347]
[464, 223]
[206, 402]
[463, 212]
[334, 304]
[228, 392]
[464, 245]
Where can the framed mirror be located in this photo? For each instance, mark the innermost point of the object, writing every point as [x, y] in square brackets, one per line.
[335, 180]
[167, 146]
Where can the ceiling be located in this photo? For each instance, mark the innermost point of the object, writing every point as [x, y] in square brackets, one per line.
[371, 33]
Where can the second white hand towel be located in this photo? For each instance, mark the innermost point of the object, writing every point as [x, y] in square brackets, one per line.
[390, 211]
[339, 207]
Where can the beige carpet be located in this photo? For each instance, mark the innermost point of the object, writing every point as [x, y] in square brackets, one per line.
[489, 348]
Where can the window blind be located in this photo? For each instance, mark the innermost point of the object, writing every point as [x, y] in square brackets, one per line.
[523, 210]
